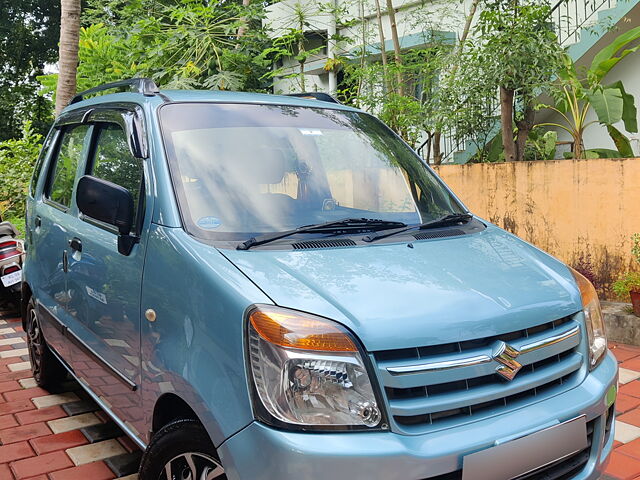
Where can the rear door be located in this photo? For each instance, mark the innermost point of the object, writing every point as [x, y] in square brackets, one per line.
[50, 221]
[104, 285]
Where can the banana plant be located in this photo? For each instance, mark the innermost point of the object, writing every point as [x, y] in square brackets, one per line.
[576, 94]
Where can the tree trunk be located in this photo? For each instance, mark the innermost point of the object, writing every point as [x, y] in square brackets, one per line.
[383, 49]
[506, 117]
[301, 51]
[396, 45]
[524, 127]
[465, 33]
[437, 153]
[242, 29]
[68, 52]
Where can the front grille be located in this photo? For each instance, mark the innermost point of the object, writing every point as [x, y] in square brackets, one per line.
[563, 469]
[440, 386]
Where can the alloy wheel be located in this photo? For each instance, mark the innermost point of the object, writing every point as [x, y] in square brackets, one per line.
[192, 466]
[35, 343]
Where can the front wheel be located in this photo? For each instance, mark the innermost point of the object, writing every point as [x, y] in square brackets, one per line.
[181, 450]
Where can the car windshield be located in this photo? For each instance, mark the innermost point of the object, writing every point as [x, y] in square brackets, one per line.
[243, 169]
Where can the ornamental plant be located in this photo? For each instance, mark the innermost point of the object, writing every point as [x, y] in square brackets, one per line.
[630, 281]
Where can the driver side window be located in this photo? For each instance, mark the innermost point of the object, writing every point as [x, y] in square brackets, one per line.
[114, 162]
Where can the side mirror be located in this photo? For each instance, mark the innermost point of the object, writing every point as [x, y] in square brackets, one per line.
[109, 203]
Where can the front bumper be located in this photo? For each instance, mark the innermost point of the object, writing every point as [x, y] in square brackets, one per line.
[259, 452]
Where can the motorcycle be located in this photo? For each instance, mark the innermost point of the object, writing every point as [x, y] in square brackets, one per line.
[11, 260]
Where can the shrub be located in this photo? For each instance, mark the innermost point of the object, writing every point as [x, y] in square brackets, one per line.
[17, 157]
[627, 283]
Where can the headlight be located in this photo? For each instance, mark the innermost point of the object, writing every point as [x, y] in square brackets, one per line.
[307, 371]
[593, 319]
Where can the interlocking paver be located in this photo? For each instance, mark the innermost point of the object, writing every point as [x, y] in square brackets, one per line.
[624, 403]
[59, 399]
[95, 451]
[73, 423]
[49, 462]
[58, 441]
[94, 471]
[40, 415]
[15, 451]
[23, 432]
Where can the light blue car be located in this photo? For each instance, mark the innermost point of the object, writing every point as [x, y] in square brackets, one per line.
[277, 287]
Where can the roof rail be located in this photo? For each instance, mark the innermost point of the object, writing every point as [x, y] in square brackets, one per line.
[145, 86]
[324, 97]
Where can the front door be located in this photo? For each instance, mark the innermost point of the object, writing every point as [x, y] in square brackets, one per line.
[104, 285]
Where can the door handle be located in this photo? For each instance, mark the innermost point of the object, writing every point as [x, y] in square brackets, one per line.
[38, 221]
[76, 244]
[65, 261]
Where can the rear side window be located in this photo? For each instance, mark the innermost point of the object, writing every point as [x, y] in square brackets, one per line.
[40, 161]
[114, 162]
[66, 166]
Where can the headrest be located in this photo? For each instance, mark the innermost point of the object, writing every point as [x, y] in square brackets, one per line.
[268, 166]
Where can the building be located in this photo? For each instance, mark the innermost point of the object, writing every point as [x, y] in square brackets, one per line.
[348, 28]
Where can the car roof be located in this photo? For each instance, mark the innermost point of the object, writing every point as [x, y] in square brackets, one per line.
[208, 96]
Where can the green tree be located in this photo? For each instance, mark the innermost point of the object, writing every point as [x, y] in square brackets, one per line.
[516, 52]
[29, 32]
[180, 44]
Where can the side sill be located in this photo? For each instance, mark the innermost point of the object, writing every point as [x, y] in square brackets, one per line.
[101, 403]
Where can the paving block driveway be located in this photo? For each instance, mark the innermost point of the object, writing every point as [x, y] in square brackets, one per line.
[63, 435]
[60, 435]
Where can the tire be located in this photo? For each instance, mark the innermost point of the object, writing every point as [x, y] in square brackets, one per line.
[183, 448]
[46, 368]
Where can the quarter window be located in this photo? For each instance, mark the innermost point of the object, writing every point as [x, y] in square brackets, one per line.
[114, 162]
[66, 167]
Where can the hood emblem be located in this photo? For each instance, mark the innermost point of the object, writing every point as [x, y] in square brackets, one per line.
[506, 357]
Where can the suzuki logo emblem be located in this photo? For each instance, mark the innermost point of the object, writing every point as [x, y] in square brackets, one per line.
[506, 357]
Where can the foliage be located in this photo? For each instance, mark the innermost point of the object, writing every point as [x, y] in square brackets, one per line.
[374, 87]
[17, 157]
[515, 52]
[584, 266]
[180, 44]
[541, 146]
[629, 282]
[635, 249]
[580, 90]
[29, 32]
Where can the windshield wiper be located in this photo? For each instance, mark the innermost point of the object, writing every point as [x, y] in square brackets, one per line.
[451, 219]
[345, 224]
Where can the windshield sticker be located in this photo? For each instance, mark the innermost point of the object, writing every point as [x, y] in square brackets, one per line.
[209, 223]
[305, 131]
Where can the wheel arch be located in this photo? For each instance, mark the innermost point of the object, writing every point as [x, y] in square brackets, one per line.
[170, 407]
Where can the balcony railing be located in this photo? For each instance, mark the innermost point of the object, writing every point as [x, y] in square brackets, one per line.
[571, 16]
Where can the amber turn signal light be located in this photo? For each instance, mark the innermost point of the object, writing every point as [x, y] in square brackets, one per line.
[298, 330]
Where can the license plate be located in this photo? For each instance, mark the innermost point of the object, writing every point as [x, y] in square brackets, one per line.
[12, 278]
[526, 454]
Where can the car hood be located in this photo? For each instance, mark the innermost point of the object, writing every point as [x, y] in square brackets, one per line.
[429, 292]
